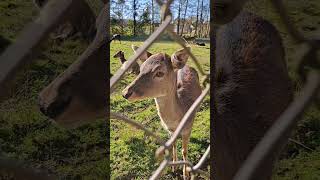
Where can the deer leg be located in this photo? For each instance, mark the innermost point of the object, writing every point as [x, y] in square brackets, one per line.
[174, 155]
[185, 141]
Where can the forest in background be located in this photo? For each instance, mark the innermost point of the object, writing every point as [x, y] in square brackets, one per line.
[142, 17]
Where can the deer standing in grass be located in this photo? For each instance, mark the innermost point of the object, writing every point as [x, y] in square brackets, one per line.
[135, 69]
[174, 86]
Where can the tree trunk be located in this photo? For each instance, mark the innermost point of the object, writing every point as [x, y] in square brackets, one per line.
[134, 16]
[201, 19]
[179, 12]
[197, 21]
[184, 17]
[208, 23]
[152, 17]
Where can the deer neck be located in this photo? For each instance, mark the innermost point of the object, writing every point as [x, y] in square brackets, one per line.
[122, 59]
[168, 106]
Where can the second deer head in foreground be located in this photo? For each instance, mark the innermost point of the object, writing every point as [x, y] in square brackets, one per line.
[252, 90]
[174, 85]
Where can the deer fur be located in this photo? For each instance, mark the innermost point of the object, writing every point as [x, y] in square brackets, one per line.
[144, 55]
[252, 89]
[174, 89]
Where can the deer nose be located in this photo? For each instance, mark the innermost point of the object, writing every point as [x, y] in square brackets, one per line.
[42, 109]
[53, 109]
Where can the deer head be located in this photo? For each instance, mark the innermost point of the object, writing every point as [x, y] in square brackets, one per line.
[79, 93]
[144, 56]
[120, 55]
[157, 76]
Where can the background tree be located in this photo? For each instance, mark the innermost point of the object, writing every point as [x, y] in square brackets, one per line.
[135, 7]
[179, 13]
[184, 16]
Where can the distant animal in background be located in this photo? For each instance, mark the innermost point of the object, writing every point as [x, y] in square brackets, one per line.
[116, 37]
[135, 67]
[200, 44]
[189, 39]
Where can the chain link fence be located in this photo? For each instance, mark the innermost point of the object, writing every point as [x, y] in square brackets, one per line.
[55, 13]
[166, 25]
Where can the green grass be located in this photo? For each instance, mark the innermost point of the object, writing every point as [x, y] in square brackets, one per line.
[304, 166]
[132, 152]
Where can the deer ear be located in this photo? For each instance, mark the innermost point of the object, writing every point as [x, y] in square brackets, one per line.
[145, 55]
[179, 58]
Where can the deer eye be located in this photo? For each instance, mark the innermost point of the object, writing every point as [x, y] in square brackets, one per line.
[159, 74]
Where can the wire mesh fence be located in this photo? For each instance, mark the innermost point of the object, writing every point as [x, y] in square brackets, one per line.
[54, 13]
[166, 25]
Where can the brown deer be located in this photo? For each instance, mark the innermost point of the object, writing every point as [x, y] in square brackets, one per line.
[252, 89]
[142, 57]
[174, 86]
[79, 93]
[135, 67]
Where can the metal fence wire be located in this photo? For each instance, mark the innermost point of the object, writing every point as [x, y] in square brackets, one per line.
[166, 25]
[55, 13]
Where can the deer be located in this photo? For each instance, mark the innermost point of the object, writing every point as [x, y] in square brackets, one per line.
[135, 67]
[78, 95]
[144, 56]
[189, 38]
[174, 87]
[252, 89]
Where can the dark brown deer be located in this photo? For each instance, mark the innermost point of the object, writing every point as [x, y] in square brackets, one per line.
[252, 89]
[135, 69]
[174, 86]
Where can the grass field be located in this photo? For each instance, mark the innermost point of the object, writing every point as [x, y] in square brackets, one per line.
[81, 153]
[132, 153]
